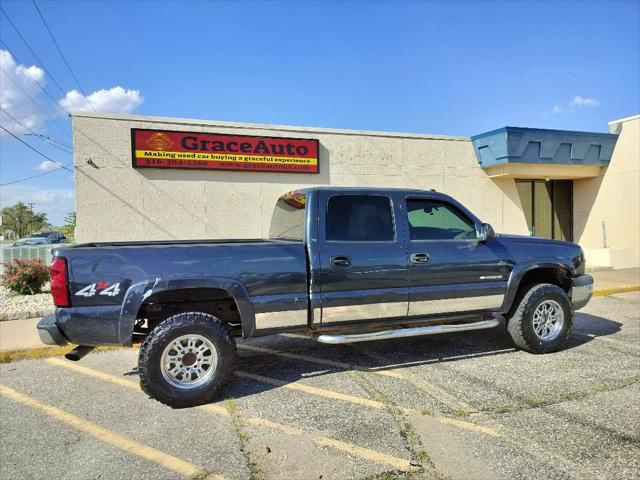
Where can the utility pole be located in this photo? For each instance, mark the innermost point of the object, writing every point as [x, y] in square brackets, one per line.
[31, 204]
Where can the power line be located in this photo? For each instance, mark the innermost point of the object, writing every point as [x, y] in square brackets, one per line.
[34, 102]
[55, 102]
[32, 52]
[49, 140]
[35, 176]
[35, 149]
[62, 54]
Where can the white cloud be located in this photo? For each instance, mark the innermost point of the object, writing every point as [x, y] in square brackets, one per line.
[576, 101]
[47, 165]
[15, 81]
[579, 101]
[55, 202]
[114, 100]
[19, 82]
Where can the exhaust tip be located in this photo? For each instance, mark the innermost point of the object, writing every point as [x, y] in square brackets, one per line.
[78, 353]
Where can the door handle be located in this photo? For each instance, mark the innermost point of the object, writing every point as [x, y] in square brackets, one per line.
[420, 258]
[340, 261]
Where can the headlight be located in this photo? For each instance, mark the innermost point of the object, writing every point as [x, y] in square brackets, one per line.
[579, 263]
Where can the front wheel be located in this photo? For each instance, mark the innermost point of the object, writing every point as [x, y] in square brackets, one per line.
[542, 320]
[185, 360]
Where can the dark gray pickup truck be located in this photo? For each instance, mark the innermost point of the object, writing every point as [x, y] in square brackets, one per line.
[341, 265]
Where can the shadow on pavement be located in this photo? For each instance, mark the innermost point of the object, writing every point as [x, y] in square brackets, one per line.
[383, 355]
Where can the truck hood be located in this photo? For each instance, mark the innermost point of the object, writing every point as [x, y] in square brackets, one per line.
[524, 248]
[536, 240]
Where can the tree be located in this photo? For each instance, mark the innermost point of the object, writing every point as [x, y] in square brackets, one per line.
[69, 227]
[22, 221]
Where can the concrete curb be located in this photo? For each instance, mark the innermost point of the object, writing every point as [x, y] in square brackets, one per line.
[25, 315]
[34, 353]
[610, 291]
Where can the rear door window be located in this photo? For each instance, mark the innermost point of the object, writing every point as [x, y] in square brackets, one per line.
[360, 218]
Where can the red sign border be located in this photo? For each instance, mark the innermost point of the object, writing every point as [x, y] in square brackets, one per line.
[186, 132]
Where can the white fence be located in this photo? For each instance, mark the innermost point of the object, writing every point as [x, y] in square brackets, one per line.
[8, 253]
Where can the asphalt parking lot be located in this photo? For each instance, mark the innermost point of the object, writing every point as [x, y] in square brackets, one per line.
[463, 406]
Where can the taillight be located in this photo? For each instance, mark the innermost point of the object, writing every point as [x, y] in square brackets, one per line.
[59, 285]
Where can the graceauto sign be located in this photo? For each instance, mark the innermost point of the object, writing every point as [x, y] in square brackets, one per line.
[214, 151]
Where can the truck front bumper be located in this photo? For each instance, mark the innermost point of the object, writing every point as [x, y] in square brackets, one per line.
[49, 332]
[581, 291]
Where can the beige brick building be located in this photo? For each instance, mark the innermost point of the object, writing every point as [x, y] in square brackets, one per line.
[580, 186]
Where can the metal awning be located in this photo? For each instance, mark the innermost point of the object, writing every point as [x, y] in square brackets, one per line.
[541, 153]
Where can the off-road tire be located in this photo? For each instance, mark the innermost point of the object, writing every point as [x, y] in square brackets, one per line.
[520, 323]
[152, 380]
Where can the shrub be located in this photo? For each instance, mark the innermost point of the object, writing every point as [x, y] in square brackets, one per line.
[25, 276]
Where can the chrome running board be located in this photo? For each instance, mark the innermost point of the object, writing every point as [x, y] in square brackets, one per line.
[406, 332]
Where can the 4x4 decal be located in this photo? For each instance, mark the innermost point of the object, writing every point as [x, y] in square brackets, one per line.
[99, 288]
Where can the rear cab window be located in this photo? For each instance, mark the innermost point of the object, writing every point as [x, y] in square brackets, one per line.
[288, 218]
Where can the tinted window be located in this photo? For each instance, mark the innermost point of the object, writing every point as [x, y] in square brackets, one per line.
[359, 218]
[433, 220]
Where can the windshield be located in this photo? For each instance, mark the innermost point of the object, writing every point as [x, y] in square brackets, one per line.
[288, 216]
[34, 241]
[42, 235]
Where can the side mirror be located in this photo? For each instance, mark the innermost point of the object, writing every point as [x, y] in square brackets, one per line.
[485, 232]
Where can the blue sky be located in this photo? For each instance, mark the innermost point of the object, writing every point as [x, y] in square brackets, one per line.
[458, 68]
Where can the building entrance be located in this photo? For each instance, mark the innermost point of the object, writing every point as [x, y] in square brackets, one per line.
[548, 207]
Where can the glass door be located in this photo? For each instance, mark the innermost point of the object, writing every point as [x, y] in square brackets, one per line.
[547, 207]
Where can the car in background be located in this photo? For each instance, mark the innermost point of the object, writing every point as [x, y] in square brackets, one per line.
[32, 242]
[52, 235]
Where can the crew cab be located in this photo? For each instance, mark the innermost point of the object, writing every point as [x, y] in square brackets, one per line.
[340, 265]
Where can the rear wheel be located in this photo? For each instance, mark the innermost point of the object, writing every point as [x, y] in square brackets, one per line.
[542, 320]
[186, 359]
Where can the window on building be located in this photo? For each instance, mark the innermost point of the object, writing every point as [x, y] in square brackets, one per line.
[435, 220]
[359, 218]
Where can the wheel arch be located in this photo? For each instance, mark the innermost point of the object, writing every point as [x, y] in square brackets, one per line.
[140, 293]
[555, 271]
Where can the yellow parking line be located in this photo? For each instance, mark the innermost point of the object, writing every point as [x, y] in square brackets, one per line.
[365, 453]
[320, 392]
[470, 426]
[123, 443]
[93, 373]
[354, 450]
[280, 383]
[319, 361]
[429, 388]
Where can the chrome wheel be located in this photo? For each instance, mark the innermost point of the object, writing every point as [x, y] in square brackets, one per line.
[548, 320]
[188, 361]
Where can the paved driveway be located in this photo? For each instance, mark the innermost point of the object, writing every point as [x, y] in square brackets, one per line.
[464, 406]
